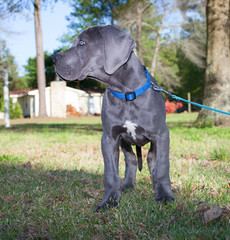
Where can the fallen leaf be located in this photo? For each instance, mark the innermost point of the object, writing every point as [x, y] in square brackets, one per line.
[174, 219]
[203, 207]
[194, 156]
[92, 192]
[197, 215]
[181, 208]
[190, 156]
[99, 237]
[60, 199]
[28, 164]
[127, 235]
[101, 217]
[90, 181]
[120, 216]
[49, 202]
[28, 202]
[205, 163]
[212, 214]
[185, 165]
[213, 192]
[25, 230]
[180, 173]
[141, 226]
[97, 226]
[226, 211]
[8, 198]
[194, 188]
[197, 201]
[144, 198]
[146, 178]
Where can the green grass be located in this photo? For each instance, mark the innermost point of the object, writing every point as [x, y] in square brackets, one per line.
[51, 177]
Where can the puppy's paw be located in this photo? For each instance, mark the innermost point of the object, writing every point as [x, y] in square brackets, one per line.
[127, 187]
[106, 206]
[163, 193]
[110, 200]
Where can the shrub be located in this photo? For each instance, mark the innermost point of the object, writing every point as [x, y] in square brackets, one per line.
[172, 107]
[16, 112]
[15, 109]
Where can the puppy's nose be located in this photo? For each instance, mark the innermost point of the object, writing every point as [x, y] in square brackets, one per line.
[55, 58]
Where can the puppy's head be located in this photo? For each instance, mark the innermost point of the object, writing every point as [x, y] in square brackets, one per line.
[98, 47]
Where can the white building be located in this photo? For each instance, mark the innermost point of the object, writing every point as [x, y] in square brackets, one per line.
[58, 97]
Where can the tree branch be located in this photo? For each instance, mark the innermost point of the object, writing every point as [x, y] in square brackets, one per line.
[173, 25]
[148, 25]
[165, 40]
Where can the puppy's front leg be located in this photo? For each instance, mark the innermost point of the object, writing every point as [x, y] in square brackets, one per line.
[110, 151]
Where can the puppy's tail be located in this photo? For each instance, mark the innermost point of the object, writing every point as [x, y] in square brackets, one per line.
[139, 157]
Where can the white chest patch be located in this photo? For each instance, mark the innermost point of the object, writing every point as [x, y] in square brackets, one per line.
[131, 128]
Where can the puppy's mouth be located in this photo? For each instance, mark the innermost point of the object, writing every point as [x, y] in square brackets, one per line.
[68, 77]
[61, 77]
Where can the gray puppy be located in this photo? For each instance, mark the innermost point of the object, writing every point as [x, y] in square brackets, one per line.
[132, 112]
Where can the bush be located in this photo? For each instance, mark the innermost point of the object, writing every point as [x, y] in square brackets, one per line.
[1, 105]
[172, 107]
[16, 112]
[15, 109]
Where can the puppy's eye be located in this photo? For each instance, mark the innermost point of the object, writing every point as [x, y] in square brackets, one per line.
[81, 42]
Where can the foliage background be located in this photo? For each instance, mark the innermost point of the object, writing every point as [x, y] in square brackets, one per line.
[180, 59]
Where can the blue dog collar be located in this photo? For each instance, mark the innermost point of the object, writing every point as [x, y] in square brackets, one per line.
[130, 96]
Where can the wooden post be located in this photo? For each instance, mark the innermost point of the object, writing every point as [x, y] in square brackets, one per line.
[6, 100]
[189, 104]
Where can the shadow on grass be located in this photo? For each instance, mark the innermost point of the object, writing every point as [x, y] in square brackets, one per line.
[38, 203]
[87, 128]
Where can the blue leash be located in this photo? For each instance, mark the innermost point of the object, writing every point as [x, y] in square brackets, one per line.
[154, 87]
[130, 96]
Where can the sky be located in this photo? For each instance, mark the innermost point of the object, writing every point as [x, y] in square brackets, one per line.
[21, 42]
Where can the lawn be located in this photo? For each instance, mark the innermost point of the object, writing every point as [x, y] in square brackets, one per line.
[51, 177]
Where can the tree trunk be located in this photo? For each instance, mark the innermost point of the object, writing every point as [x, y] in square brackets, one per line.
[41, 79]
[139, 33]
[217, 75]
[156, 50]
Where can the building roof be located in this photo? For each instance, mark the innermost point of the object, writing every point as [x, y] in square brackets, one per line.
[23, 92]
[20, 92]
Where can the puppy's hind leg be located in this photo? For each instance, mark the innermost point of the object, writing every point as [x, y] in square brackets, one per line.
[151, 159]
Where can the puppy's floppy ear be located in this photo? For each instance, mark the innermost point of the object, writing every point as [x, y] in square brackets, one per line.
[118, 46]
